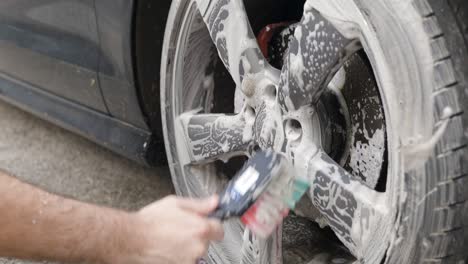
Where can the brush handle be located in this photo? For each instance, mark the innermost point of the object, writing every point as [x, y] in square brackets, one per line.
[217, 214]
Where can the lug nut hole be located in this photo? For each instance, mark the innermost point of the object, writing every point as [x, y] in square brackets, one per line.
[270, 92]
[250, 112]
[256, 148]
[293, 129]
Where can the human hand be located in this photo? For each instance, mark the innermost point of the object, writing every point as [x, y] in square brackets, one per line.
[172, 230]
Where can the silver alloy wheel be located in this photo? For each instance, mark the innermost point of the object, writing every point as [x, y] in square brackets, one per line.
[277, 109]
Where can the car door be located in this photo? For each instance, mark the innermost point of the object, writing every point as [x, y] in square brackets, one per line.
[52, 45]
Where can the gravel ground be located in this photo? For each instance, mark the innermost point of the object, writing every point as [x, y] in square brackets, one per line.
[61, 162]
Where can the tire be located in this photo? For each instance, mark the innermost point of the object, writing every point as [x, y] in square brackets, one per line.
[418, 52]
[438, 223]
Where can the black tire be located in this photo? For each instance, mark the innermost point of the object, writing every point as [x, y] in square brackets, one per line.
[431, 215]
[438, 221]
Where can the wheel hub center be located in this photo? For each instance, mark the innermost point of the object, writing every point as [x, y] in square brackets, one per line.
[274, 128]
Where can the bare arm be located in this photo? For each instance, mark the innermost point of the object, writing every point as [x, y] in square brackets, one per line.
[37, 225]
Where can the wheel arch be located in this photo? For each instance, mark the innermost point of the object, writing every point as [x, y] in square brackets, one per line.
[148, 26]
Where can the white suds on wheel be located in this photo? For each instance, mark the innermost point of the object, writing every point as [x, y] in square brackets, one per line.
[416, 154]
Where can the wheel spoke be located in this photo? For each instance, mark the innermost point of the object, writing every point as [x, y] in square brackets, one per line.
[351, 208]
[316, 52]
[215, 136]
[230, 31]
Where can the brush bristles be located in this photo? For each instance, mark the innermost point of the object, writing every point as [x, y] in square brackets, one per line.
[270, 209]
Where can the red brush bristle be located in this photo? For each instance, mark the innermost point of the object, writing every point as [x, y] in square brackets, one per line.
[263, 217]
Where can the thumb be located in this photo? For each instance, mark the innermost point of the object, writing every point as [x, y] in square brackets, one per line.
[203, 207]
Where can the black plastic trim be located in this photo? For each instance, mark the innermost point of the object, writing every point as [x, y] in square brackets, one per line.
[129, 141]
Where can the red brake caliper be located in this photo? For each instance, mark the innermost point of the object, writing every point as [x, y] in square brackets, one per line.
[273, 41]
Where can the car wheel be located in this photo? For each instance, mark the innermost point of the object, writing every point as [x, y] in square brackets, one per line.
[366, 99]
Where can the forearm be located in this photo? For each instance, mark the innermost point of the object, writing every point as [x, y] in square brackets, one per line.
[37, 225]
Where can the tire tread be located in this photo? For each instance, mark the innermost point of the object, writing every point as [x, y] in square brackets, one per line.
[445, 239]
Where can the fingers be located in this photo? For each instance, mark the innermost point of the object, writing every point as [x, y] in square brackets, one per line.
[203, 207]
[200, 252]
[215, 230]
[167, 226]
[212, 229]
[208, 230]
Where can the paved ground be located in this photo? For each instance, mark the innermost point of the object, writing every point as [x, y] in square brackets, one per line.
[64, 163]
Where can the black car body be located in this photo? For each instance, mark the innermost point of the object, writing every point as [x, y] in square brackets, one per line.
[91, 66]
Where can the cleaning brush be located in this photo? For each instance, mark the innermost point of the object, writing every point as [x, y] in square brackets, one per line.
[262, 193]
